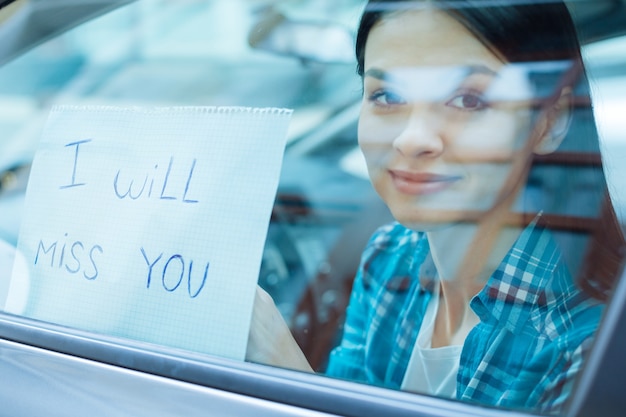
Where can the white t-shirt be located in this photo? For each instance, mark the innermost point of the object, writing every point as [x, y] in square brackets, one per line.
[432, 370]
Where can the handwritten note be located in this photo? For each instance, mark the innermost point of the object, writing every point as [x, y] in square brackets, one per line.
[149, 224]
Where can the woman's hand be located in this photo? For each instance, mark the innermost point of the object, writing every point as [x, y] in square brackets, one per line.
[270, 341]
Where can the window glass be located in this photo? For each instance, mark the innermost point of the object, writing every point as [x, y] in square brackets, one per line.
[449, 211]
[605, 60]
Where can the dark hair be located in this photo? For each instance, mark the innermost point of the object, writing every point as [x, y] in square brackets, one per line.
[521, 32]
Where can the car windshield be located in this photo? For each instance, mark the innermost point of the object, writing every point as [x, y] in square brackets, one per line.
[357, 231]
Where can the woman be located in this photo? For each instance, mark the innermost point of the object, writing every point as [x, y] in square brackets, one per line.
[472, 294]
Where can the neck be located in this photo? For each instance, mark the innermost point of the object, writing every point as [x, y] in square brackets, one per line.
[465, 255]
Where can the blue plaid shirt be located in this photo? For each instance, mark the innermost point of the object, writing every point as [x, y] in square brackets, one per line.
[535, 326]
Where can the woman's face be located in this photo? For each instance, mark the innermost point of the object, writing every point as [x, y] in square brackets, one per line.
[444, 122]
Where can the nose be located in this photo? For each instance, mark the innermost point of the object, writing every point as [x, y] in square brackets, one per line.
[421, 136]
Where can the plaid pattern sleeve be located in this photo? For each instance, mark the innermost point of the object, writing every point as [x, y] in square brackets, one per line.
[385, 310]
[535, 326]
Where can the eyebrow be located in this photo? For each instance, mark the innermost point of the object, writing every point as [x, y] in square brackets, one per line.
[377, 74]
[383, 75]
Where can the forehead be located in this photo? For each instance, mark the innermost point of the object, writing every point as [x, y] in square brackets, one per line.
[427, 37]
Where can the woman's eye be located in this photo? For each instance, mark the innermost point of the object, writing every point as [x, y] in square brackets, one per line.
[386, 98]
[467, 101]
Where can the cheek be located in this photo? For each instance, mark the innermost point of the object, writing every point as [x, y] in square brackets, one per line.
[494, 141]
[500, 133]
[362, 134]
[376, 130]
[374, 142]
[376, 150]
[491, 182]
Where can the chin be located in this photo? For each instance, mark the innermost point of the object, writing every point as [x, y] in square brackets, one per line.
[424, 220]
[425, 226]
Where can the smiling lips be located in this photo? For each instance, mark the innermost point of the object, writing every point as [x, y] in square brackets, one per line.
[421, 183]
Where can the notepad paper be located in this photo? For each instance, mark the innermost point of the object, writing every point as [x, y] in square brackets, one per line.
[149, 223]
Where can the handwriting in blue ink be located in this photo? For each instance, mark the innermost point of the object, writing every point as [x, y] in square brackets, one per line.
[164, 191]
[72, 255]
[172, 273]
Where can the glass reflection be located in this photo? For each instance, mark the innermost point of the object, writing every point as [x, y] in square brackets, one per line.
[478, 133]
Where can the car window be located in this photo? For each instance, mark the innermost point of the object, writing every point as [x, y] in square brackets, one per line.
[604, 60]
[448, 210]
